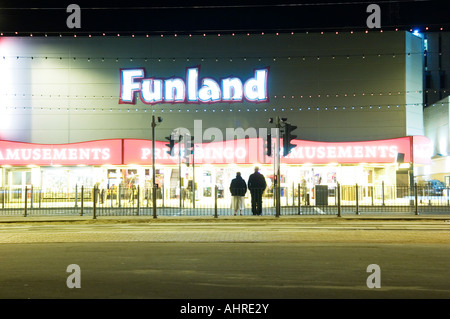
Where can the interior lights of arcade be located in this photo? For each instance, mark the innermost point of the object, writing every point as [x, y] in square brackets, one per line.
[128, 166]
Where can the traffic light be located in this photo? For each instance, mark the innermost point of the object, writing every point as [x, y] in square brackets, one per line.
[154, 120]
[268, 147]
[170, 145]
[188, 147]
[287, 138]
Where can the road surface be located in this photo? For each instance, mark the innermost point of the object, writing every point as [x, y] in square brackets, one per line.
[260, 258]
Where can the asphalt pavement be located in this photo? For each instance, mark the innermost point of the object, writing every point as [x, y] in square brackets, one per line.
[242, 257]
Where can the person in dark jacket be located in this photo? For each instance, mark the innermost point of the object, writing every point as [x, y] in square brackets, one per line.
[256, 185]
[238, 189]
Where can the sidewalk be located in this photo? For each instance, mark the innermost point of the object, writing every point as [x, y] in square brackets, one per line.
[220, 219]
[246, 229]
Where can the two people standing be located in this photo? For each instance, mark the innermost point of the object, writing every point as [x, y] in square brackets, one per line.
[256, 186]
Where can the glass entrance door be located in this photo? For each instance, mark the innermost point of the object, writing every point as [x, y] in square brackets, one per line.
[18, 181]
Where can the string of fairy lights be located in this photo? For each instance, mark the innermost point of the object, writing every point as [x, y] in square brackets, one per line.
[66, 97]
[306, 103]
[228, 109]
[293, 58]
[292, 97]
[153, 34]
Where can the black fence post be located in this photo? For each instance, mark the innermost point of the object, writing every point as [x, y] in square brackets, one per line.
[31, 196]
[298, 198]
[357, 198]
[215, 201]
[338, 189]
[94, 203]
[371, 192]
[138, 200]
[193, 193]
[26, 201]
[382, 192]
[82, 200]
[415, 199]
[278, 200]
[119, 194]
[154, 189]
[181, 196]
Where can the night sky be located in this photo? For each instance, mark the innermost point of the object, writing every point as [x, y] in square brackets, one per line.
[167, 16]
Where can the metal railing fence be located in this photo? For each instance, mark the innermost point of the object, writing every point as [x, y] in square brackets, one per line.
[295, 200]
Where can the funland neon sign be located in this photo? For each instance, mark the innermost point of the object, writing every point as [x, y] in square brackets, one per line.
[192, 90]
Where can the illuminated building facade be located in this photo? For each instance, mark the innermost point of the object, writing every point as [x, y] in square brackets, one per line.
[83, 107]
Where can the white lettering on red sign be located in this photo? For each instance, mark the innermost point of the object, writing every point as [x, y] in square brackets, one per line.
[340, 152]
[54, 154]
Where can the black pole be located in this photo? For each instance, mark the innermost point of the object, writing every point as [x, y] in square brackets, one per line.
[415, 199]
[94, 203]
[338, 189]
[153, 168]
[31, 196]
[179, 168]
[193, 178]
[138, 200]
[119, 195]
[82, 200]
[277, 154]
[154, 188]
[26, 201]
[215, 201]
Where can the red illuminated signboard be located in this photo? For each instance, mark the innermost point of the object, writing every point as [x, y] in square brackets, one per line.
[380, 151]
[86, 153]
[243, 151]
[250, 151]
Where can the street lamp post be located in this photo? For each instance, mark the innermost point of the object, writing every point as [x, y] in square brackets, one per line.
[193, 179]
[154, 185]
[180, 137]
[287, 146]
[276, 162]
[277, 167]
